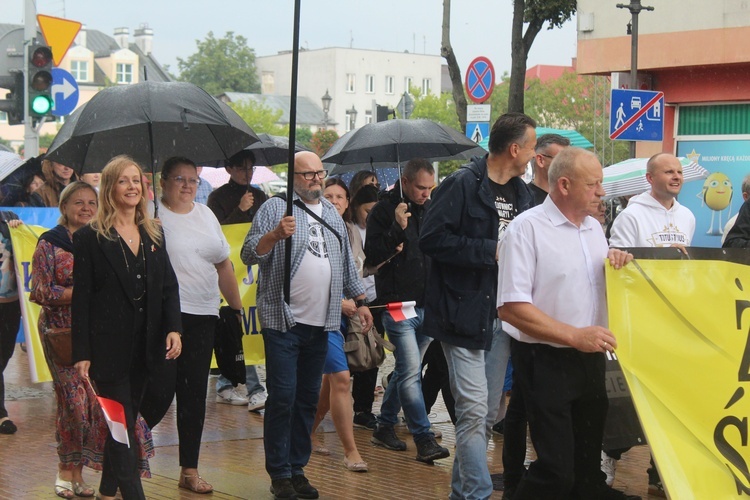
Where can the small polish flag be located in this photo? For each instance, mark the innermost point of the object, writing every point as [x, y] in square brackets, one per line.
[114, 413]
[401, 311]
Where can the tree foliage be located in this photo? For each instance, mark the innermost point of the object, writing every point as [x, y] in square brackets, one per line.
[533, 13]
[221, 65]
[260, 117]
[322, 140]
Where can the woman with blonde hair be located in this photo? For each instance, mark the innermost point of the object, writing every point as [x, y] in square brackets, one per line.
[81, 428]
[56, 177]
[126, 310]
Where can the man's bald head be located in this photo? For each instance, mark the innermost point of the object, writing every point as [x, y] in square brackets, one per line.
[307, 162]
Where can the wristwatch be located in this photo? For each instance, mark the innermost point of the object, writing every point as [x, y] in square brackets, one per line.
[361, 303]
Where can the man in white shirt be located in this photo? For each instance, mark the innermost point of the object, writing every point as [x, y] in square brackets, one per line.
[550, 253]
[655, 218]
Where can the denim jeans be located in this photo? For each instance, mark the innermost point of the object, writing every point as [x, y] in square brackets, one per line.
[405, 387]
[294, 371]
[252, 384]
[477, 378]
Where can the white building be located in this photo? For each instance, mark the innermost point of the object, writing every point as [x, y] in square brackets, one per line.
[354, 78]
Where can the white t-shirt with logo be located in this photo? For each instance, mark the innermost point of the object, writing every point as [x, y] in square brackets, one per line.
[195, 244]
[313, 276]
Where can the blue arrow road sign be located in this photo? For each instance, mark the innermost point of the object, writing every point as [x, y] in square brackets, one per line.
[64, 92]
[636, 115]
[478, 132]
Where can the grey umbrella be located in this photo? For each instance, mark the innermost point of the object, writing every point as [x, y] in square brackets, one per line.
[149, 121]
[273, 149]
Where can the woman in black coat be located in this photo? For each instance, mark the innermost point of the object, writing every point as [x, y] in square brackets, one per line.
[126, 309]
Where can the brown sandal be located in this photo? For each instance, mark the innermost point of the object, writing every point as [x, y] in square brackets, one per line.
[194, 483]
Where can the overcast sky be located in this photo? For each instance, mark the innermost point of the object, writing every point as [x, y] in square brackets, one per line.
[479, 27]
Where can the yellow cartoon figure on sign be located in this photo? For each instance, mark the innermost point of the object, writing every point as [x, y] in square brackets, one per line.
[716, 195]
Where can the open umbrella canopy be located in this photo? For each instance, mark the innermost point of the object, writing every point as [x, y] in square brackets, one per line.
[397, 141]
[218, 176]
[9, 162]
[150, 121]
[629, 176]
[273, 149]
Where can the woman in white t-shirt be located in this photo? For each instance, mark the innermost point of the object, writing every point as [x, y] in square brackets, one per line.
[199, 254]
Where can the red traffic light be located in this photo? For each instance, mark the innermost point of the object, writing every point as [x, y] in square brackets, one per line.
[41, 57]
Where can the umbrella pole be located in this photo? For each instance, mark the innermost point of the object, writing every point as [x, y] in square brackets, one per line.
[292, 139]
[153, 171]
[400, 183]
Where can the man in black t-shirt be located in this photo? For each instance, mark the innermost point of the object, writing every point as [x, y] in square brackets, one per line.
[461, 233]
[547, 147]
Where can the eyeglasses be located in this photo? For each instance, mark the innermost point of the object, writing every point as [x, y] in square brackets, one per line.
[547, 156]
[308, 176]
[188, 181]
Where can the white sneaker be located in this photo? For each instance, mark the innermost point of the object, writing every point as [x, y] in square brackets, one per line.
[232, 396]
[257, 401]
[609, 465]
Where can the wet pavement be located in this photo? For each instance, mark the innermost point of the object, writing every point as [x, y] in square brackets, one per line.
[232, 454]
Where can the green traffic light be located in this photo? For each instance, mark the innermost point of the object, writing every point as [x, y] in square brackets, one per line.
[41, 105]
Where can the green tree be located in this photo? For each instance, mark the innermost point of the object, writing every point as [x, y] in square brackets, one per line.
[438, 108]
[304, 135]
[261, 118]
[221, 65]
[533, 13]
[322, 140]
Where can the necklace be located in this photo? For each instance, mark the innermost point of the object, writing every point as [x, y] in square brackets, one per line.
[127, 265]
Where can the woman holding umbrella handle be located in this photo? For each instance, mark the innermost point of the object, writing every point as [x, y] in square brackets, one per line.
[125, 309]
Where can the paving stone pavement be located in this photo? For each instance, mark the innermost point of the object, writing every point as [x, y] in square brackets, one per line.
[232, 456]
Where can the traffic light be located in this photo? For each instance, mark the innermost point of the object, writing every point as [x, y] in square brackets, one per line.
[383, 112]
[40, 80]
[12, 105]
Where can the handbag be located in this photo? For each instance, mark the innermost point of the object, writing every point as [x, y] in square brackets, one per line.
[60, 343]
[230, 355]
[364, 350]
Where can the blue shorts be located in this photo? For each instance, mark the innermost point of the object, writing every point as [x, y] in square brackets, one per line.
[336, 359]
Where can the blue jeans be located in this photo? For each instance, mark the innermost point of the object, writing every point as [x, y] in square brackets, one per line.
[294, 371]
[405, 387]
[252, 384]
[477, 378]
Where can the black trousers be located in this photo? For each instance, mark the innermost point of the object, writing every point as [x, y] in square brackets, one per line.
[363, 385]
[436, 379]
[10, 312]
[120, 467]
[514, 432]
[566, 404]
[187, 377]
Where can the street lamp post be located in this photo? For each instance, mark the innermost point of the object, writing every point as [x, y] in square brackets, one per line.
[326, 100]
[635, 8]
[352, 117]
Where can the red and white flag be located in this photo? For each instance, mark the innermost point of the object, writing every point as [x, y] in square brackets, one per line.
[401, 311]
[114, 413]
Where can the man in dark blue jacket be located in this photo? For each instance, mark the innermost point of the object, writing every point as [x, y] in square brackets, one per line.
[461, 233]
[393, 228]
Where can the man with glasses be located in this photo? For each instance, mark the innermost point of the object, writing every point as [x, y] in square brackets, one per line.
[547, 147]
[393, 229]
[233, 203]
[295, 334]
[237, 200]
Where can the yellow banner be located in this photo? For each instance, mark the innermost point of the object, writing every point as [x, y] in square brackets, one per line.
[683, 335]
[24, 240]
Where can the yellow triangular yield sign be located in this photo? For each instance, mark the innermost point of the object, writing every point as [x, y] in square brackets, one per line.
[59, 34]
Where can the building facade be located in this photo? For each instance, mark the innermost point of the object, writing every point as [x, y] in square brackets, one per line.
[354, 79]
[696, 53]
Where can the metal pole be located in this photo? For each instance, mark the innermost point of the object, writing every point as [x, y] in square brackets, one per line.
[30, 136]
[635, 8]
[292, 139]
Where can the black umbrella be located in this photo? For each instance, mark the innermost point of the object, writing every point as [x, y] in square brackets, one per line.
[273, 149]
[149, 121]
[397, 141]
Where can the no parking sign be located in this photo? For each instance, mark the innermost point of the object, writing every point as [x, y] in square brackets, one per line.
[480, 79]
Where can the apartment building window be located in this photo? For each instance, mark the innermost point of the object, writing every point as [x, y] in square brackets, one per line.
[368, 117]
[370, 84]
[124, 73]
[408, 82]
[268, 82]
[351, 83]
[389, 85]
[3, 117]
[80, 70]
[426, 85]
